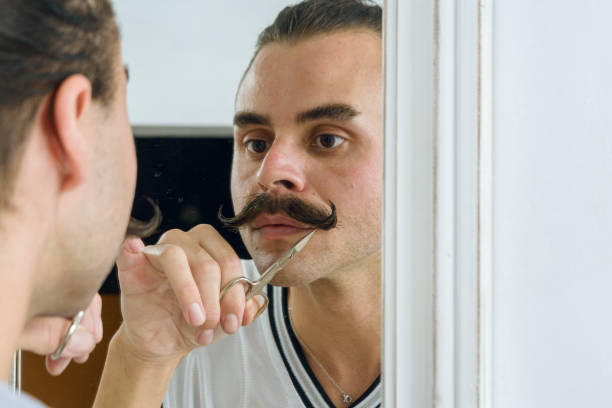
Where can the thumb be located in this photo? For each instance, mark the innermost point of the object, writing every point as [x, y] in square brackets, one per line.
[136, 275]
[131, 255]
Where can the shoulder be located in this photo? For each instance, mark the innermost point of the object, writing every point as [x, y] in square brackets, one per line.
[247, 362]
[8, 399]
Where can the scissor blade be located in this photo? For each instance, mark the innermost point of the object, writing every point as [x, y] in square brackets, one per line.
[301, 244]
[295, 249]
[280, 263]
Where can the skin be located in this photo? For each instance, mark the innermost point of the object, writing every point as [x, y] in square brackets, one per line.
[64, 233]
[283, 82]
[335, 295]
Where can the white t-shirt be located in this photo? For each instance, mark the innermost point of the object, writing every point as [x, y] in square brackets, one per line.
[260, 366]
[8, 399]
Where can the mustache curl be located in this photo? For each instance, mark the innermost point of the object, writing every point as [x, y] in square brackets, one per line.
[291, 206]
[144, 229]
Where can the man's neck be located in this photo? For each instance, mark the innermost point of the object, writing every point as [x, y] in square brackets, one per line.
[18, 258]
[339, 320]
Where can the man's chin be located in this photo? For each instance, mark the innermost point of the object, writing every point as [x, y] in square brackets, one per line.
[70, 306]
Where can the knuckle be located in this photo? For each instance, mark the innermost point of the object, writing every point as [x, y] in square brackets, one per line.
[171, 235]
[234, 303]
[238, 293]
[186, 291]
[230, 263]
[173, 252]
[207, 266]
[202, 229]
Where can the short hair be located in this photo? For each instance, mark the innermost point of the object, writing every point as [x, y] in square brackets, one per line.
[310, 18]
[42, 42]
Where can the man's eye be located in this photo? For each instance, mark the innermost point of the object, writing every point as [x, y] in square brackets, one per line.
[256, 146]
[328, 141]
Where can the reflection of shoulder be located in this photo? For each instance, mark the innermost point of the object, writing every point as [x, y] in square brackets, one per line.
[8, 399]
[207, 372]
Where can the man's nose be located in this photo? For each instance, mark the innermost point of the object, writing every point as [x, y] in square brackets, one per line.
[282, 170]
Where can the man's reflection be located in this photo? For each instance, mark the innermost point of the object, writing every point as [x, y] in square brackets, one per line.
[308, 125]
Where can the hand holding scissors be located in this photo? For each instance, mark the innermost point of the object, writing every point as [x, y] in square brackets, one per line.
[256, 288]
[162, 283]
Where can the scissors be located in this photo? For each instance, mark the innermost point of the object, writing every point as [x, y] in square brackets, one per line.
[256, 288]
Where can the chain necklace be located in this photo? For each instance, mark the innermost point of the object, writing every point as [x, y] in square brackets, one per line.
[345, 397]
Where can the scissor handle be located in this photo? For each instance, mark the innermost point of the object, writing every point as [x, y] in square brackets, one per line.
[249, 286]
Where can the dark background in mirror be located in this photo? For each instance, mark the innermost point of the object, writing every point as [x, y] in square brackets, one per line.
[189, 178]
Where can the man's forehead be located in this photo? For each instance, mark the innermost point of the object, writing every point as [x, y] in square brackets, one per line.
[321, 60]
[314, 78]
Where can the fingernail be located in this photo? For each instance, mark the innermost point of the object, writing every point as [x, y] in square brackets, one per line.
[230, 323]
[80, 343]
[206, 337]
[155, 250]
[196, 314]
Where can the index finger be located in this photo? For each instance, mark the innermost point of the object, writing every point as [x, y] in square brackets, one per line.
[172, 261]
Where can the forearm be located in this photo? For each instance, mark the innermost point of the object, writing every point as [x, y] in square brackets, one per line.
[130, 381]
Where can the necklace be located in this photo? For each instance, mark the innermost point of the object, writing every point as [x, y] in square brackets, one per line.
[345, 397]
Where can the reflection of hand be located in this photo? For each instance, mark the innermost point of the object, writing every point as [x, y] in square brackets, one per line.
[43, 335]
[170, 293]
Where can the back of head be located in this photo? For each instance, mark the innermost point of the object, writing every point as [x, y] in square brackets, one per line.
[42, 42]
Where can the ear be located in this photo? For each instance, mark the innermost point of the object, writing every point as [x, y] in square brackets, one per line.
[70, 105]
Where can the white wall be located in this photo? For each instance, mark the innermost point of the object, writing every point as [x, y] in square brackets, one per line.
[522, 208]
[186, 57]
[552, 204]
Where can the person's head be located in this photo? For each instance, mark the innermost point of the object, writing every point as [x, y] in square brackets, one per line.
[308, 125]
[67, 158]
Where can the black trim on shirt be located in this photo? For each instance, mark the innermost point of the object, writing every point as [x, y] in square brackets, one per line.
[298, 348]
[300, 353]
[367, 392]
[296, 384]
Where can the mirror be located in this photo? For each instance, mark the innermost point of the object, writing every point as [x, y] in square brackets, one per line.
[185, 61]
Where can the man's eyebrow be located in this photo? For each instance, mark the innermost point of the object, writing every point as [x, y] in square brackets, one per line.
[126, 69]
[245, 118]
[334, 111]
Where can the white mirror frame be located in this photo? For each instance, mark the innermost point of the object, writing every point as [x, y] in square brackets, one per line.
[408, 216]
[437, 204]
[14, 382]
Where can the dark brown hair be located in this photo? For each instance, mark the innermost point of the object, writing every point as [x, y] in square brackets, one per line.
[310, 18]
[42, 42]
[313, 17]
